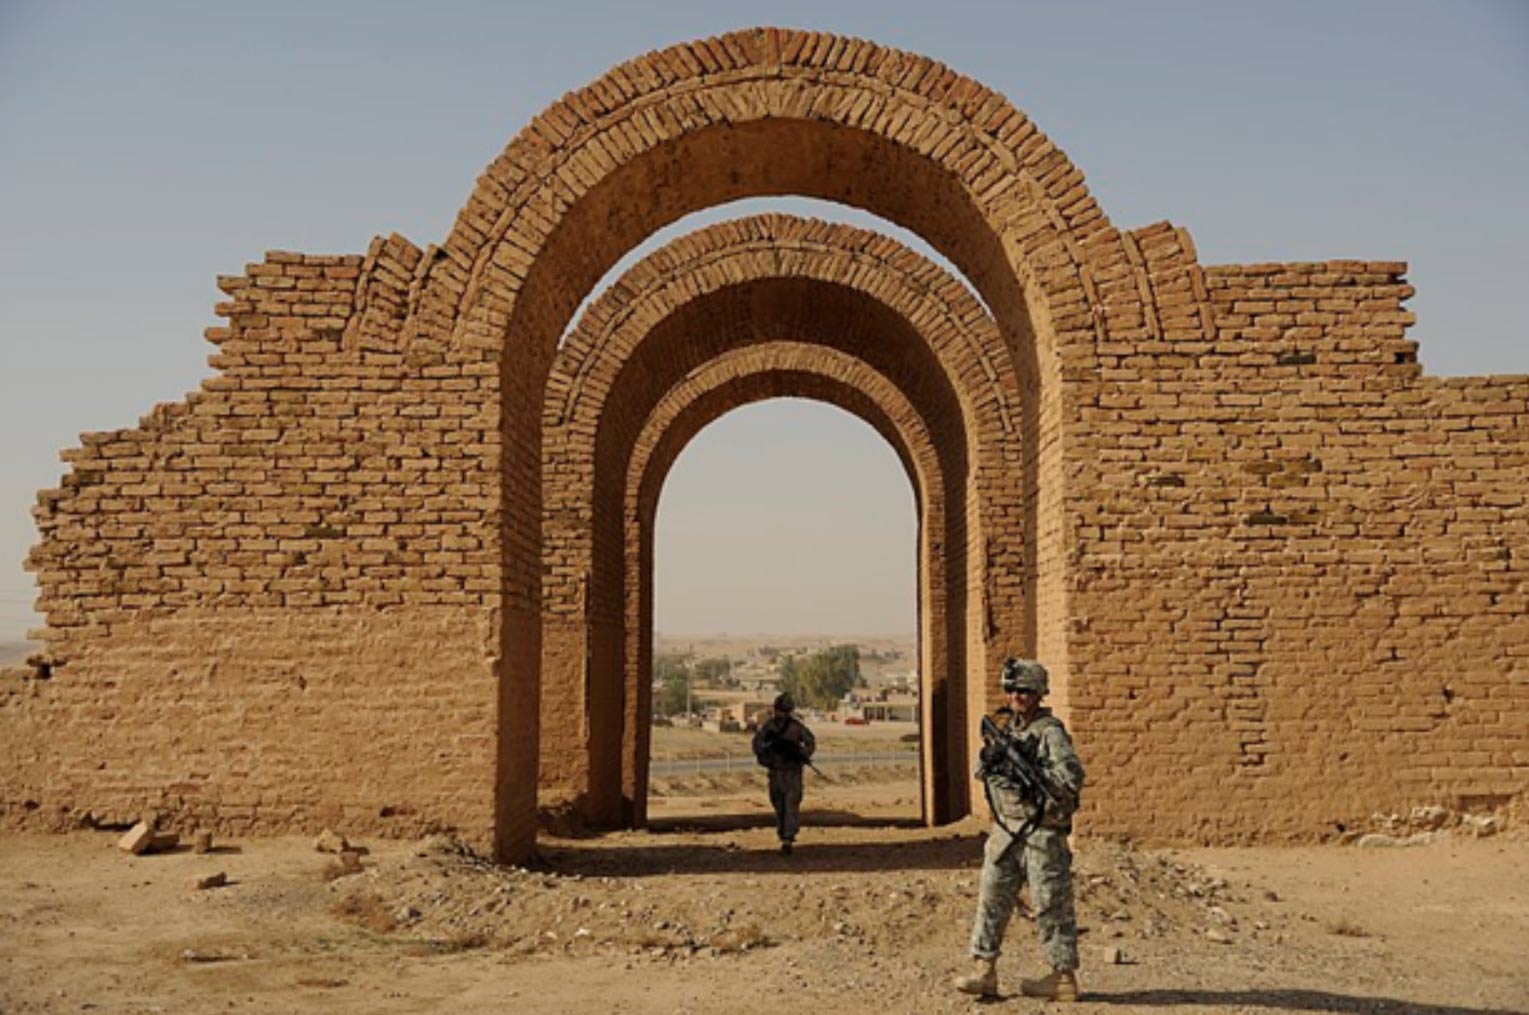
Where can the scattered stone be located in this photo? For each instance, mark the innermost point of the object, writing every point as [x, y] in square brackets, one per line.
[1114, 957]
[138, 840]
[1218, 937]
[163, 842]
[330, 842]
[407, 914]
[1428, 818]
[1481, 825]
[192, 955]
[1379, 840]
[217, 880]
[202, 842]
[350, 860]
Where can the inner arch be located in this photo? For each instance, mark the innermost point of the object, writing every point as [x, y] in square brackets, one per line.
[733, 289]
[793, 370]
[794, 206]
[786, 521]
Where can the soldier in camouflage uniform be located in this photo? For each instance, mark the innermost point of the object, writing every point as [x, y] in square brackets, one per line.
[784, 745]
[1028, 843]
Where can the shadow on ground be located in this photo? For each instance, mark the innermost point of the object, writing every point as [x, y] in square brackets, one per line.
[1276, 999]
[814, 817]
[717, 851]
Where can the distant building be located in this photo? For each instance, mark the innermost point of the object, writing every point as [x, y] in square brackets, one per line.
[902, 709]
[881, 706]
[747, 715]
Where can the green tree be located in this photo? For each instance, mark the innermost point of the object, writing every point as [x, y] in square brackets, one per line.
[822, 679]
[713, 671]
[671, 674]
[788, 678]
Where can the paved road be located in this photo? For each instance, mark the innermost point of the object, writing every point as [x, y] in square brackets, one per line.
[745, 762]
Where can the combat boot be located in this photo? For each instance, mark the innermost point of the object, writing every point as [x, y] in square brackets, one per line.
[1060, 985]
[984, 983]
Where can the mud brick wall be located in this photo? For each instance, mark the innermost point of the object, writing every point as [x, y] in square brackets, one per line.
[1300, 588]
[257, 597]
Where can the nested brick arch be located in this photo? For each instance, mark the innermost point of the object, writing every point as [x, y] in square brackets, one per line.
[733, 286]
[789, 370]
[753, 113]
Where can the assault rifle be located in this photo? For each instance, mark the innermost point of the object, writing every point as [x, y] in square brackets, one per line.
[1006, 757]
[790, 750]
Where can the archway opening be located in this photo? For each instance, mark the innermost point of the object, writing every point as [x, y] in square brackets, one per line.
[785, 558]
[531, 301]
[699, 328]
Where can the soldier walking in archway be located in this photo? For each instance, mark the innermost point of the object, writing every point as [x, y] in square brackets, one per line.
[784, 745]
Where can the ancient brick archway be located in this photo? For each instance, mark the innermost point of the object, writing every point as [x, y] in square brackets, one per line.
[755, 113]
[1274, 567]
[726, 288]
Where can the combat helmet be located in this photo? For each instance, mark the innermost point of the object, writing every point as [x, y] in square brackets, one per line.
[784, 702]
[1024, 675]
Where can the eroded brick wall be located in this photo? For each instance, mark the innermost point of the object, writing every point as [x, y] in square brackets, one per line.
[1300, 581]
[258, 597]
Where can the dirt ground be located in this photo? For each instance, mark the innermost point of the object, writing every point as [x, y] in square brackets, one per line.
[702, 915]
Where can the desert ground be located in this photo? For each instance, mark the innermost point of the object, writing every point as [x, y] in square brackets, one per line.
[701, 914]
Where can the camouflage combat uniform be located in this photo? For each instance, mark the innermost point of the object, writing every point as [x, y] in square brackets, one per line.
[785, 769]
[1041, 857]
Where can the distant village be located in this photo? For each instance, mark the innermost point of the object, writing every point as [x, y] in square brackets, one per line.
[729, 685]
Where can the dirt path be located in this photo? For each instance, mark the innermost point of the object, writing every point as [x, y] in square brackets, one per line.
[866, 917]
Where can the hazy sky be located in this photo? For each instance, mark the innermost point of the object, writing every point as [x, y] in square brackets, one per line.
[147, 147]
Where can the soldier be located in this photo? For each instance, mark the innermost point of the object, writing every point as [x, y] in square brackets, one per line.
[1028, 841]
[784, 744]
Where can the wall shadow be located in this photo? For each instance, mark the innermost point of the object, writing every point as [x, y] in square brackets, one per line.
[611, 856]
[1277, 999]
[812, 817]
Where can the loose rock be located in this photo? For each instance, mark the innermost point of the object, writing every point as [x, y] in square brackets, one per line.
[138, 840]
